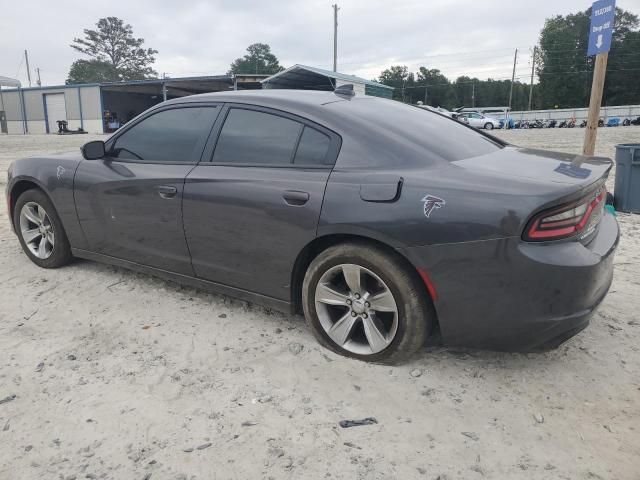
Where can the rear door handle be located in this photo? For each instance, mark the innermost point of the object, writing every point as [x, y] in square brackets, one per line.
[295, 197]
[167, 191]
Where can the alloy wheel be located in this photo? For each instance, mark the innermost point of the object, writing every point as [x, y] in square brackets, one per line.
[37, 230]
[356, 309]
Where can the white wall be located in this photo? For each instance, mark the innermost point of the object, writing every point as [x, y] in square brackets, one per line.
[91, 126]
[36, 127]
[15, 127]
[623, 111]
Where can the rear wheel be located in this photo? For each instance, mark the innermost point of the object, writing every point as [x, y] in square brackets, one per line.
[40, 230]
[361, 302]
[488, 126]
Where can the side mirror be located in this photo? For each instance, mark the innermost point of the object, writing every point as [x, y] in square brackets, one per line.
[93, 150]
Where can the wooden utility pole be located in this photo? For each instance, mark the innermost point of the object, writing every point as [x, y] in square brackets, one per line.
[473, 94]
[513, 77]
[597, 86]
[533, 64]
[335, 37]
[26, 59]
[164, 87]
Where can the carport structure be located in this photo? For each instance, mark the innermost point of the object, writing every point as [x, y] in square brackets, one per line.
[303, 77]
[102, 107]
[122, 101]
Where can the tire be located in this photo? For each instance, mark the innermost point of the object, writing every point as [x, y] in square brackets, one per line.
[488, 126]
[380, 273]
[57, 251]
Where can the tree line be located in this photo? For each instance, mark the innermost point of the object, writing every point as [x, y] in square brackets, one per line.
[432, 87]
[563, 69]
[561, 64]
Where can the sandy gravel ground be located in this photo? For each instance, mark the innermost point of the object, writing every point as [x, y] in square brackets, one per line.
[119, 375]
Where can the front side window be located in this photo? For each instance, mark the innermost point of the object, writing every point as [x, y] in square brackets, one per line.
[253, 137]
[177, 135]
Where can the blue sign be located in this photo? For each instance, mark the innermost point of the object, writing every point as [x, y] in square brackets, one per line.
[602, 15]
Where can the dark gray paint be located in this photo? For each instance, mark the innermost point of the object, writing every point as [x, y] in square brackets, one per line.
[243, 238]
[241, 230]
[123, 214]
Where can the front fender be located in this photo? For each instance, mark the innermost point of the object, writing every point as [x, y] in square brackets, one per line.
[55, 177]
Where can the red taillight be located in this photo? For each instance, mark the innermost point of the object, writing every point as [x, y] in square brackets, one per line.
[567, 220]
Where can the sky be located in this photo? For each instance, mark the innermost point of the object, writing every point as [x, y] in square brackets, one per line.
[193, 37]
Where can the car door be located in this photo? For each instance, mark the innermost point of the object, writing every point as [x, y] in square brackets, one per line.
[255, 203]
[129, 203]
[475, 120]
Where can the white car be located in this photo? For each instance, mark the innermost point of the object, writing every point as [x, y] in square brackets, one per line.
[478, 120]
[444, 111]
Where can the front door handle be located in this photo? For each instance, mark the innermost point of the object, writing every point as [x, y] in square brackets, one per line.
[295, 197]
[167, 191]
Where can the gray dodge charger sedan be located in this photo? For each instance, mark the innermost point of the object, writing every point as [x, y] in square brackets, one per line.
[384, 223]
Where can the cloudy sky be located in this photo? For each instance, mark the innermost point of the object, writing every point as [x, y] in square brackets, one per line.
[194, 37]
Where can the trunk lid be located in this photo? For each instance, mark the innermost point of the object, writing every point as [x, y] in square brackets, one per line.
[553, 181]
[540, 166]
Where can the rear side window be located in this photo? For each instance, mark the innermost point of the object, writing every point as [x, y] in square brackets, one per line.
[313, 148]
[440, 138]
[177, 135]
[253, 137]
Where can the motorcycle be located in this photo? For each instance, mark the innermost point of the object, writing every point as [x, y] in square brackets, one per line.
[571, 123]
[626, 122]
[583, 124]
[550, 124]
[636, 121]
[563, 124]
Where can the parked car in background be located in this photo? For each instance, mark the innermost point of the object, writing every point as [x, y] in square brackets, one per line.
[478, 120]
[384, 223]
[444, 111]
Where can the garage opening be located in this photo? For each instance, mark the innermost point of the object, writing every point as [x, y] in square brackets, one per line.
[55, 110]
[123, 101]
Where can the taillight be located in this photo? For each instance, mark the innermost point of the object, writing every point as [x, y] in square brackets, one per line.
[567, 220]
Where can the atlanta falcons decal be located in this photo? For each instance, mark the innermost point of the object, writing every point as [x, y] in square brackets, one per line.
[431, 202]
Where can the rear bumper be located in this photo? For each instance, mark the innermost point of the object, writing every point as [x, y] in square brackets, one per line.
[510, 295]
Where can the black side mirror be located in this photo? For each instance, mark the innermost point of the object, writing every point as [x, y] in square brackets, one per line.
[93, 150]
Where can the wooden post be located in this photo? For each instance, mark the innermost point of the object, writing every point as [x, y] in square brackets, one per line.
[597, 86]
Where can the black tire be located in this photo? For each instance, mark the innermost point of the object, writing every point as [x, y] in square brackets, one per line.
[488, 126]
[61, 252]
[416, 315]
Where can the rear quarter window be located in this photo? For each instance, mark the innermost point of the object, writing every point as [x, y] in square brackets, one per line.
[442, 137]
[313, 148]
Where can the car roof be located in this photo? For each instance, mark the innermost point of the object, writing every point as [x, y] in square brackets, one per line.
[272, 96]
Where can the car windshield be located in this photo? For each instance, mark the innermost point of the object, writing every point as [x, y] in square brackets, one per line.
[443, 137]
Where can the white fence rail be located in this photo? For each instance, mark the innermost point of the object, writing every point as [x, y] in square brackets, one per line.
[622, 112]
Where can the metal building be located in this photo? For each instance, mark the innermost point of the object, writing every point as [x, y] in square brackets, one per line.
[102, 107]
[303, 77]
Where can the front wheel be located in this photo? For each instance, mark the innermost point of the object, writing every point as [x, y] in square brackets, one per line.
[40, 230]
[363, 302]
[488, 126]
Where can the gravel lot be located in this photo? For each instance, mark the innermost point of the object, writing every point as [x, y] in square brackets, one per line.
[120, 375]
